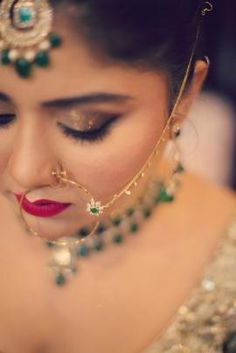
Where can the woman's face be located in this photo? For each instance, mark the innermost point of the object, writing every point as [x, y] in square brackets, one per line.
[52, 117]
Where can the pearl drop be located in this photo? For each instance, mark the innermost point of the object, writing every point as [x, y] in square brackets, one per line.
[29, 55]
[208, 285]
[171, 189]
[14, 54]
[45, 45]
[62, 257]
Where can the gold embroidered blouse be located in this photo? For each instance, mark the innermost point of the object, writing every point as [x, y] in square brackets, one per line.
[206, 323]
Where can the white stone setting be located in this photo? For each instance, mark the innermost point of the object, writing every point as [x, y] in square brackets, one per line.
[14, 55]
[62, 257]
[94, 208]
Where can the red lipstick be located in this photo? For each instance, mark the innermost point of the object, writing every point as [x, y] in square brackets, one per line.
[42, 208]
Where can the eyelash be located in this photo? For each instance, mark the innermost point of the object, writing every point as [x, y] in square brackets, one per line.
[89, 135]
[6, 120]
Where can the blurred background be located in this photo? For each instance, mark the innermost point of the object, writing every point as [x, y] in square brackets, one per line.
[209, 142]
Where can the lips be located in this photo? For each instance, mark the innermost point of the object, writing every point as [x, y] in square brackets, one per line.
[42, 208]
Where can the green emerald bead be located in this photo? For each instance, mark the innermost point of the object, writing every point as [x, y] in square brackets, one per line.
[146, 213]
[42, 59]
[133, 228]
[55, 40]
[117, 221]
[5, 60]
[100, 230]
[118, 239]
[25, 14]
[83, 251]
[163, 196]
[83, 232]
[60, 279]
[23, 68]
[94, 210]
[50, 245]
[98, 245]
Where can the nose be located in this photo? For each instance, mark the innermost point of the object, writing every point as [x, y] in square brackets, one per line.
[31, 161]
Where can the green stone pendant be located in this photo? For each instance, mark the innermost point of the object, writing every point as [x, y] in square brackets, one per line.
[23, 68]
[25, 15]
[163, 196]
[60, 279]
[118, 239]
[5, 60]
[83, 251]
[42, 59]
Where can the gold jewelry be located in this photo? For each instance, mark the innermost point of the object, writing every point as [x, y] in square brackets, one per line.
[175, 130]
[112, 230]
[61, 180]
[25, 34]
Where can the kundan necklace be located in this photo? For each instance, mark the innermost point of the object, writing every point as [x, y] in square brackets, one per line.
[112, 231]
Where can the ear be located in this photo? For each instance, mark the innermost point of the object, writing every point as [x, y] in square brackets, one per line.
[200, 73]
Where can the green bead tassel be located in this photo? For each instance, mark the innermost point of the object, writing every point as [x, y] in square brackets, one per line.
[5, 60]
[162, 196]
[118, 239]
[55, 40]
[60, 279]
[42, 59]
[23, 68]
[133, 228]
[98, 244]
[83, 251]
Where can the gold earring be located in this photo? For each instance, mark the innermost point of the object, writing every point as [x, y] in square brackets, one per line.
[175, 130]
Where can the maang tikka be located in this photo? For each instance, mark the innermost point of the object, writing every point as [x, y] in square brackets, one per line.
[25, 34]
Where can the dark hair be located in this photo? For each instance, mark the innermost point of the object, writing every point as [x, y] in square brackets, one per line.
[151, 34]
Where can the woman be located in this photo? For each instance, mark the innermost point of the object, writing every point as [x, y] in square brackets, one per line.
[84, 165]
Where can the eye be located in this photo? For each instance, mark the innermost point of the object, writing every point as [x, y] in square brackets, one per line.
[6, 120]
[89, 135]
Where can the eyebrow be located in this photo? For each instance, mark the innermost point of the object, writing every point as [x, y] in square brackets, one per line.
[94, 98]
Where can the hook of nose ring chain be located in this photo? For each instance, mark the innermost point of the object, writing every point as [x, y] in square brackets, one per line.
[60, 176]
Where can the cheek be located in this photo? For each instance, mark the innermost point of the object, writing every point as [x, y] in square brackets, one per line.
[6, 143]
[106, 167]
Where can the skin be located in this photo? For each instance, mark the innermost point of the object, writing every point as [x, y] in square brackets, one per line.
[135, 286]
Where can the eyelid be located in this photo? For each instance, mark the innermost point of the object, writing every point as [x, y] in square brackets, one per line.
[91, 135]
[85, 119]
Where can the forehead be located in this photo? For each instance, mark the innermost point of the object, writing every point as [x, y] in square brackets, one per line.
[75, 69]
